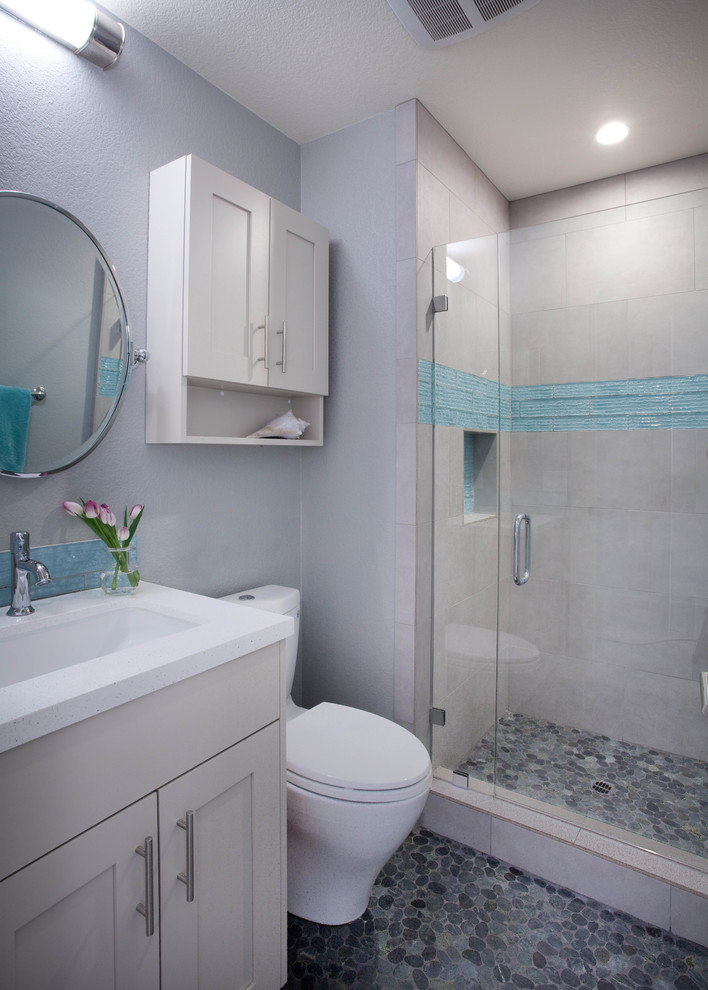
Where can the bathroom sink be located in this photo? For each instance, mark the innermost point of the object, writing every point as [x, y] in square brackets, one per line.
[81, 654]
[42, 646]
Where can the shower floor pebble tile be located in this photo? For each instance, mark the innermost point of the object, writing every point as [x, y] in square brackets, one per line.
[444, 917]
[657, 795]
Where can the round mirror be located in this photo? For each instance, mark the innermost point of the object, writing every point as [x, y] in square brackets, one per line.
[64, 335]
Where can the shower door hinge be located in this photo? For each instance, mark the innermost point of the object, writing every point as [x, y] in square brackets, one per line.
[460, 778]
[440, 304]
[437, 716]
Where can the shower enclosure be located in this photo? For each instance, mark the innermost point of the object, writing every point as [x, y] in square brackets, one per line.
[568, 394]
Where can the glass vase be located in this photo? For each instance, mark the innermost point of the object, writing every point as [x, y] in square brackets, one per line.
[123, 577]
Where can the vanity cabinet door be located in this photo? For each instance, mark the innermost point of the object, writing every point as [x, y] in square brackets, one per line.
[226, 277]
[225, 937]
[69, 919]
[298, 321]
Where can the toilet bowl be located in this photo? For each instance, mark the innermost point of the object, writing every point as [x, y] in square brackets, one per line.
[356, 785]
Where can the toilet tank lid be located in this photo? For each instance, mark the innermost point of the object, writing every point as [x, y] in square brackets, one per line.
[348, 747]
[269, 597]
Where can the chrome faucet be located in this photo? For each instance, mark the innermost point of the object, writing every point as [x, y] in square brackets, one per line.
[22, 567]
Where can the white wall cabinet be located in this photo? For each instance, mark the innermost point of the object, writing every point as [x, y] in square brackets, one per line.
[237, 309]
[298, 302]
[224, 253]
[70, 917]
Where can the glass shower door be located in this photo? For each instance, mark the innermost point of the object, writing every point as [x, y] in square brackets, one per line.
[466, 412]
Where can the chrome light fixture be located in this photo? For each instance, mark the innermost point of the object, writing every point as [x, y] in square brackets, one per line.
[77, 24]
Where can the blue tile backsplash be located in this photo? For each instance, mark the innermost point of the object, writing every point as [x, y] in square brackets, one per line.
[73, 567]
[457, 398]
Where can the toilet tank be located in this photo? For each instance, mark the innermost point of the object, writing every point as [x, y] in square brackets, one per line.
[283, 601]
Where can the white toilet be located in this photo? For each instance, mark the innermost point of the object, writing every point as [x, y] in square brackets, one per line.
[356, 786]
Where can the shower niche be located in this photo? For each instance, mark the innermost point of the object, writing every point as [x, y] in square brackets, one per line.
[479, 453]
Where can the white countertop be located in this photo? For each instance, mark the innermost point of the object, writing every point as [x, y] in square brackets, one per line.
[220, 632]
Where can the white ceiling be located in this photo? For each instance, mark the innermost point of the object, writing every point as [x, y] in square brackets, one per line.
[523, 99]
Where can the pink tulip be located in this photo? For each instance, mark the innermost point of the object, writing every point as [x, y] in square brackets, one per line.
[135, 511]
[91, 510]
[123, 533]
[106, 516]
[73, 508]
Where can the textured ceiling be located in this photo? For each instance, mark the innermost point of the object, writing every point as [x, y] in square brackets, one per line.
[523, 99]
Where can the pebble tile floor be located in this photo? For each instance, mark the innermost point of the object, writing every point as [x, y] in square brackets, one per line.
[654, 794]
[444, 917]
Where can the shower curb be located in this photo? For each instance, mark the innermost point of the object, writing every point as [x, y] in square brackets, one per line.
[656, 884]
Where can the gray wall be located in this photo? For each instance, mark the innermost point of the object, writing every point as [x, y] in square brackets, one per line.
[348, 489]
[220, 518]
[217, 518]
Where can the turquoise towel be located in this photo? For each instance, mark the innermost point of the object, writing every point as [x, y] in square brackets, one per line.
[15, 404]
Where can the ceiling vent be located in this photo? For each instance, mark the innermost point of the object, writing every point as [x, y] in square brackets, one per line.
[437, 23]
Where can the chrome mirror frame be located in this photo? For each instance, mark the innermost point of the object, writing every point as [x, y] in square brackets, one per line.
[128, 355]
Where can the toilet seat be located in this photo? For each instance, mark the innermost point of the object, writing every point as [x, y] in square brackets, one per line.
[353, 755]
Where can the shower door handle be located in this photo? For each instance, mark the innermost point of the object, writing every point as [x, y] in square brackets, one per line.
[522, 520]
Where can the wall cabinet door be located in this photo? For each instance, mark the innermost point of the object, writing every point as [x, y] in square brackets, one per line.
[70, 919]
[224, 936]
[298, 312]
[226, 277]
[237, 310]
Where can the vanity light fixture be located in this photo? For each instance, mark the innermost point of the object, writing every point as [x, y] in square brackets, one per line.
[612, 133]
[77, 24]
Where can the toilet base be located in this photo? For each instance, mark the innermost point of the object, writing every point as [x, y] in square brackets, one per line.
[336, 850]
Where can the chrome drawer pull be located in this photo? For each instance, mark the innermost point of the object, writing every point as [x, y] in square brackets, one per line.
[187, 823]
[147, 908]
[284, 354]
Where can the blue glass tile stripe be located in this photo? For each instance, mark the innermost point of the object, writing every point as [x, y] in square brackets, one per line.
[457, 398]
[73, 567]
[678, 402]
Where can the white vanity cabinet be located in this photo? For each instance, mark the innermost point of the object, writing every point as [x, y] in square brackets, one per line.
[237, 322]
[194, 770]
[229, 810]
[69, 919]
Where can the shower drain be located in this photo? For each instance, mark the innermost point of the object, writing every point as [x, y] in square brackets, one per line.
[602, 787]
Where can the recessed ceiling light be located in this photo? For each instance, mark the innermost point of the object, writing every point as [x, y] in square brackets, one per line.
[612, 133]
